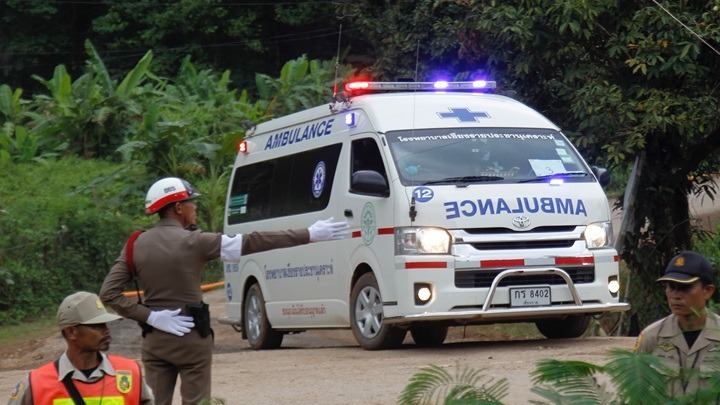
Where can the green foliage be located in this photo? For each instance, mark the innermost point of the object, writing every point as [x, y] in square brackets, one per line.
[54, 241]
[90, 117]
[302, 84]
[636, 379]
[708, 245]
[632, 378]
[247, 37]
[434, 385]
[66, 220]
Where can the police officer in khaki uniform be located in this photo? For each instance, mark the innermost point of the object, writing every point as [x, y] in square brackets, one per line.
[84, 368]
[691, 333]
[169, 261]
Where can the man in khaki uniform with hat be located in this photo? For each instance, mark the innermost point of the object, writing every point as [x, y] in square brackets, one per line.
[169, 260]
[691, 334]
[84, 371]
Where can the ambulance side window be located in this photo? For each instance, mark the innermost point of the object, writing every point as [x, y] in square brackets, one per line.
[366, 156]
[288, 185]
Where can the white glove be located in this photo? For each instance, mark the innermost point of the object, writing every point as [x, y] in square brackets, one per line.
[171, 321]
[328, 230]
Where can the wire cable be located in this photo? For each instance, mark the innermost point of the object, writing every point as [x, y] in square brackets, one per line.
[686, 27]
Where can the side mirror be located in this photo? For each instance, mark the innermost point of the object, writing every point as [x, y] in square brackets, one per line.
[602, 174]
[369, 182]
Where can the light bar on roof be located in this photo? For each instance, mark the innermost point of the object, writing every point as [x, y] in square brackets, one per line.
[405, 86]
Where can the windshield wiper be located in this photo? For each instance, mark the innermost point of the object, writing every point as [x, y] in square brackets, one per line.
[465, 180]
[554, 175]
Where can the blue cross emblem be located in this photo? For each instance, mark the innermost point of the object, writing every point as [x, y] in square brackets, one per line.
[463, 115]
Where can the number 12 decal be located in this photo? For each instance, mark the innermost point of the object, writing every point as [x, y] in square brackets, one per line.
[423, 194]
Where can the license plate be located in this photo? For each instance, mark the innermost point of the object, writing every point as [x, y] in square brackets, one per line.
[529, 296]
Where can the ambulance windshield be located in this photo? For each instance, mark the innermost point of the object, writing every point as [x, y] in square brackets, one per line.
[485, 155]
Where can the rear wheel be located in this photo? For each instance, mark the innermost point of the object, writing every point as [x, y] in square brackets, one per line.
[571, 327]
[366, 317]
[429, 336]
[259, 333]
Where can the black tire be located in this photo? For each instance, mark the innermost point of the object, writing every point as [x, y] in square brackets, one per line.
[571, 327]
[366, 317]
[429, 336]
[259, 333]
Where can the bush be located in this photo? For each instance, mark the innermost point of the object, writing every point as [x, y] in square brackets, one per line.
[55, 240]
[709, 246]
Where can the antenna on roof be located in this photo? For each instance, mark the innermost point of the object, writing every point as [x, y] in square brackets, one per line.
[337, 63]
[417, 60]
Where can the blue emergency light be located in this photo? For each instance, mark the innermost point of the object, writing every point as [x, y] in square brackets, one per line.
[442, 85]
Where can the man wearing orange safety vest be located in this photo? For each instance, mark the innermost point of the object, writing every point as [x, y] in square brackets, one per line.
[84, 374]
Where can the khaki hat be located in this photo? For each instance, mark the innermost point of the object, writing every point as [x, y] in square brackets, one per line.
[83, 308]
[689, 267]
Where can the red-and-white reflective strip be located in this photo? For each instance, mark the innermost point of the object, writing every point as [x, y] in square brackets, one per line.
[426, 265]
[380, 231]
[558, 261]
[179, 196]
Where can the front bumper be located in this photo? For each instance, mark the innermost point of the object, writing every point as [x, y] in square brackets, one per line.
[488, 313]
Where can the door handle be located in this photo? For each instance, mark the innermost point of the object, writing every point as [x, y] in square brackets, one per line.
[348, 213]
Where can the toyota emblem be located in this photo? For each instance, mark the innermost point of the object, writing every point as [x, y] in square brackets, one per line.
[521, 222]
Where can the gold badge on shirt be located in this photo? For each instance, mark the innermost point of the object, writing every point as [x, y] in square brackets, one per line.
[666, 346]
[124, 381]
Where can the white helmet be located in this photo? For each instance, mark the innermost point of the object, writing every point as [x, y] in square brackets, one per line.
[166, 191]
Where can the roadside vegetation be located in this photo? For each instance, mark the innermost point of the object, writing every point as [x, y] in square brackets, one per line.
[626, 379]
[76, 160]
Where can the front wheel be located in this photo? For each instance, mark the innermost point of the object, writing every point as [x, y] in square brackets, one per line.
[429, 336]
[366, 317]
[571, 327]
[259, 333]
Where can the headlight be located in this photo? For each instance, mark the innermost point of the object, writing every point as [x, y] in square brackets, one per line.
[416, 241]
[598, 235]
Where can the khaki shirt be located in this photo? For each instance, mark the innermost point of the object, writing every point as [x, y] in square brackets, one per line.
[170, 260]
[664, 339]
[22, 395]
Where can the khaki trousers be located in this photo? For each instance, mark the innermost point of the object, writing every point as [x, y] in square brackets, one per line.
[167, 356]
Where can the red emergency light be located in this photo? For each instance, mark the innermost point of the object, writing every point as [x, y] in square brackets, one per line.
[242, 147]
[355, 86]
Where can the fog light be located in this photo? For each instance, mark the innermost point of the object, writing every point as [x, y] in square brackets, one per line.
[613, 285]
[423, 293]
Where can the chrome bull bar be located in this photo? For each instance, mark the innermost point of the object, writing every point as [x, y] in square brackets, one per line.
[520, 312]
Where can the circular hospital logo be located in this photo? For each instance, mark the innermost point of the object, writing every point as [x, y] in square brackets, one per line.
[368, 223]
[229, 292]
[318, 180]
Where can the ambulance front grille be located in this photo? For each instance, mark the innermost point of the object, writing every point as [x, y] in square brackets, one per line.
[484, 278]
[539, 229]
[526, 244]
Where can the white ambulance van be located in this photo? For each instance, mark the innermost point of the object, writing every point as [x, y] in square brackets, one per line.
[464, 207]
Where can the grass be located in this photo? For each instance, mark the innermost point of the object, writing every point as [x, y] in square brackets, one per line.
[497, 332]
[14, 335]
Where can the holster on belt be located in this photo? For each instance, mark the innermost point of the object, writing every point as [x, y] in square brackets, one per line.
[200, 313]
[146, 327]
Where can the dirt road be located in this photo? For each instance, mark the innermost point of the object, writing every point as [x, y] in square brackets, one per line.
[328, 367]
